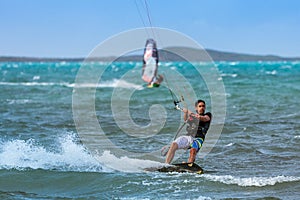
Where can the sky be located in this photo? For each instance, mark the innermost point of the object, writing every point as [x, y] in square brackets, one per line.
[73, 28]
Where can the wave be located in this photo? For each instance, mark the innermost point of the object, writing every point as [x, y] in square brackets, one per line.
[229, 75]
[22, 155]
[120, 84]
[273, 72]
[71, 156]
[18, 101]
[36, 84]
[115, 83]
[250, 181]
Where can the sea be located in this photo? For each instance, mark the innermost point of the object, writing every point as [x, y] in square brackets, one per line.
[90, 130]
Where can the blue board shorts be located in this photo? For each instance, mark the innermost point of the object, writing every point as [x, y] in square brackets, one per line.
[197, 143]
[187, 142]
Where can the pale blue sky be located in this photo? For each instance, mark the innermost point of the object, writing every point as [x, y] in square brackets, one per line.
[72, 28]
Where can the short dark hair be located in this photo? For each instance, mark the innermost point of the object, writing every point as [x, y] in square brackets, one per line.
[199, 101]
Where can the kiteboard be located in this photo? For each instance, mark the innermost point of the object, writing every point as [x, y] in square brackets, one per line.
[150, 65]
[178, 167]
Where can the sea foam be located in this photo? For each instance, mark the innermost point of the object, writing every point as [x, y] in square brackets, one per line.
[250, 181]
[126, 164]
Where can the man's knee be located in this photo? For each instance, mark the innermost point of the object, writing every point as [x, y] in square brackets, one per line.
[174, 146]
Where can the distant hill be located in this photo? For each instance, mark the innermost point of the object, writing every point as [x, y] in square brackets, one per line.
[167, 54]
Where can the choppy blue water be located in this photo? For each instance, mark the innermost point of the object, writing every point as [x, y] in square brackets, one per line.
[42, 155]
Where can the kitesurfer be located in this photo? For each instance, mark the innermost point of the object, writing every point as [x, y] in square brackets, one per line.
[197, 126]
[150, 64]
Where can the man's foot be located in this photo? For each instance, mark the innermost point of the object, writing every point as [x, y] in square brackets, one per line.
[190, 164]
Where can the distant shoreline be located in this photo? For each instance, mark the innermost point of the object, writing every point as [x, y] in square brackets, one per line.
[165, 55]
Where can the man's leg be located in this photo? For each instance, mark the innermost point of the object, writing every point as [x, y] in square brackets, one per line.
[195, 147]
[171, 152]
[193, 153]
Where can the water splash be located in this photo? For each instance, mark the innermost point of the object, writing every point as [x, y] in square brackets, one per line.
[125, 164]
[21, 155]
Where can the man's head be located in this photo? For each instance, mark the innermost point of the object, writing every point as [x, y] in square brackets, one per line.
[200, 106]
